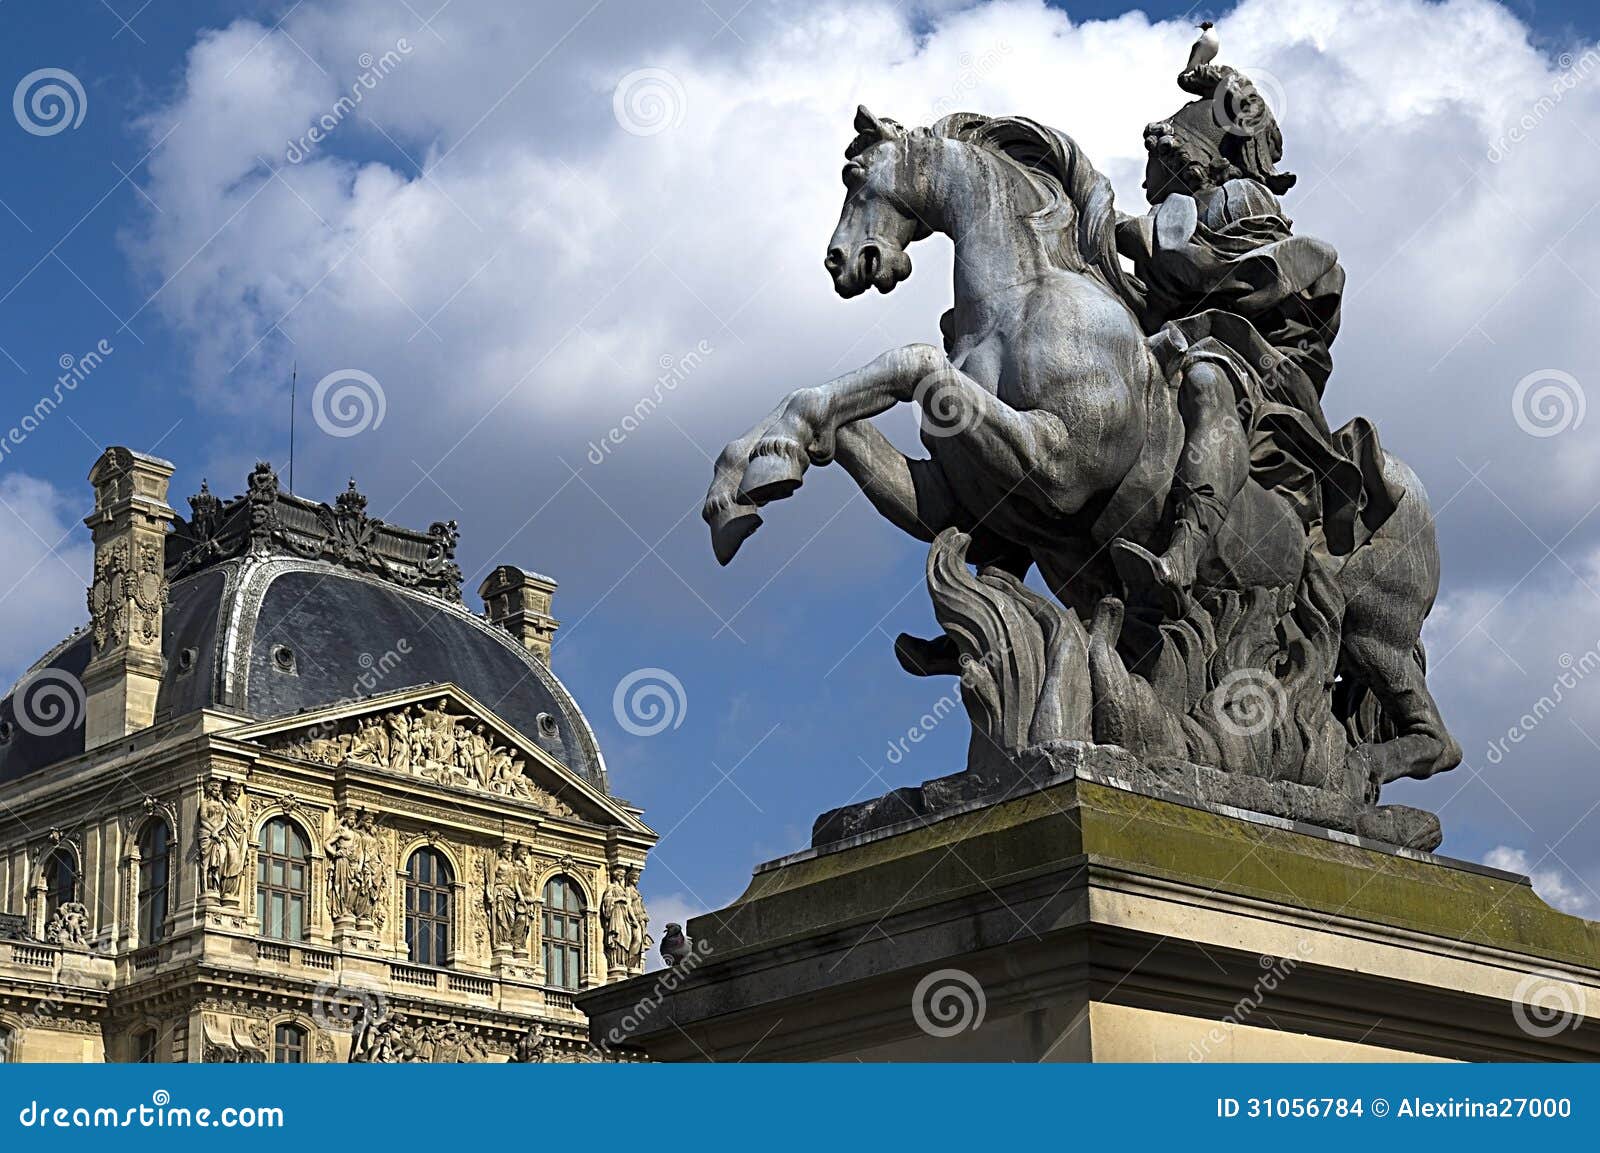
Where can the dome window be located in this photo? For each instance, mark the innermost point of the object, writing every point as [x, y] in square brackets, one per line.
[548, 728]
[283, 659]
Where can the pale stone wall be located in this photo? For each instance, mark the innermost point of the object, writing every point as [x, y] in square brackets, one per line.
[105, 798]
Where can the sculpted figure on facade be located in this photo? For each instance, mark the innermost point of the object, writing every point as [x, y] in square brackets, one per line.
[506, 904]
[433, 743]
[69, 926]
[393, 1038]
[641, 919]
[222, 838]
[344, 847]
[210, 846]
[623, 918]
[373, 880]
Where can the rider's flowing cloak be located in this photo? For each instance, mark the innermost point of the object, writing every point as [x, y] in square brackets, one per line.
[1262, 305]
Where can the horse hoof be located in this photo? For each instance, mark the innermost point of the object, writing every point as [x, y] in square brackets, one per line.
[928, 658]
[770, 477]
[729, 528]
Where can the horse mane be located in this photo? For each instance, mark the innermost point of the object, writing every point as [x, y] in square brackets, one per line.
[1080, 209]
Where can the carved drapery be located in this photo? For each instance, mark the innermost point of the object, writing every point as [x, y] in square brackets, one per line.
[222, 839]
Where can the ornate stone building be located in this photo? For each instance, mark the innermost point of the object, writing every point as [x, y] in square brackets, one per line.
[285, 795]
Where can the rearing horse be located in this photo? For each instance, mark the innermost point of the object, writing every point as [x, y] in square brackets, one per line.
[1050, 425]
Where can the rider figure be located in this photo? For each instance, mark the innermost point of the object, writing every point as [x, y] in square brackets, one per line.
[1243, 314]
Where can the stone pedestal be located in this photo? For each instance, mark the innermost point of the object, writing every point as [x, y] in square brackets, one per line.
[1085, 921]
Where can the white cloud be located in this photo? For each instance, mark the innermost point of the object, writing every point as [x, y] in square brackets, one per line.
[48, 560]
[1552, 884]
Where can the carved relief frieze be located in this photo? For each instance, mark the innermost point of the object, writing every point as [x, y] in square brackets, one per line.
[429, 742]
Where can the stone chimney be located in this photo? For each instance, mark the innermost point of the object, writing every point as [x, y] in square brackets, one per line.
[128, 595]
[519, 602]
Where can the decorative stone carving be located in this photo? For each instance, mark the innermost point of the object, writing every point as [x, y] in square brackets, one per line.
[266, 519]
[394, 1039]
[69, 926]
[234, 1040]
[642, 939]
[127, 592]
[358, 874]
[534, 1048]
[508, 898]
[622, 920]
[432, 743]
[222, 838]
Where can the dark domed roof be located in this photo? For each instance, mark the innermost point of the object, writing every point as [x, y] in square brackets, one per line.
[268, 634]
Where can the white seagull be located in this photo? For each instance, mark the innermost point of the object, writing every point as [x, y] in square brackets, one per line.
[1205, 48]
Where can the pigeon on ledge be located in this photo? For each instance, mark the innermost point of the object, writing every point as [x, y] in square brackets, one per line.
[674, 945]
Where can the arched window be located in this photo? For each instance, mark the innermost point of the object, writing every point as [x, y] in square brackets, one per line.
[288, 1044]
[155, 851]
[147, 1046]
[60, 881]
[8, 1042]
[282, 880]
[563, 933]
[428, 908]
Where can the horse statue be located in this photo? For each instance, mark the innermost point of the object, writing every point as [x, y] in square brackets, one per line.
[1056, 432]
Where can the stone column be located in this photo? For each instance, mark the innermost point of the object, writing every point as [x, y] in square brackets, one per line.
[128, 593]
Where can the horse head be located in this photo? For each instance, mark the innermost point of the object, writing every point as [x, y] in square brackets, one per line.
[868, 248]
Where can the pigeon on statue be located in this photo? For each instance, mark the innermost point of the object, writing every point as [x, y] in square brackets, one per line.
[674, 945]
[1205, 48]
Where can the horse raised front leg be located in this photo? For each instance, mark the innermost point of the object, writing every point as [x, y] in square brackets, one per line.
[806, 430]
[769, 461]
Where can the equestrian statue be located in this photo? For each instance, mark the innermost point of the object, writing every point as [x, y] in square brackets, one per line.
[1132, 405]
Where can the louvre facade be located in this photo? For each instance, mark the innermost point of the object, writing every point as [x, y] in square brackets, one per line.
[285, 797]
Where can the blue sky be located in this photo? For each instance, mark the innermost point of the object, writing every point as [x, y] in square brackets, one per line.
[491, 242]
